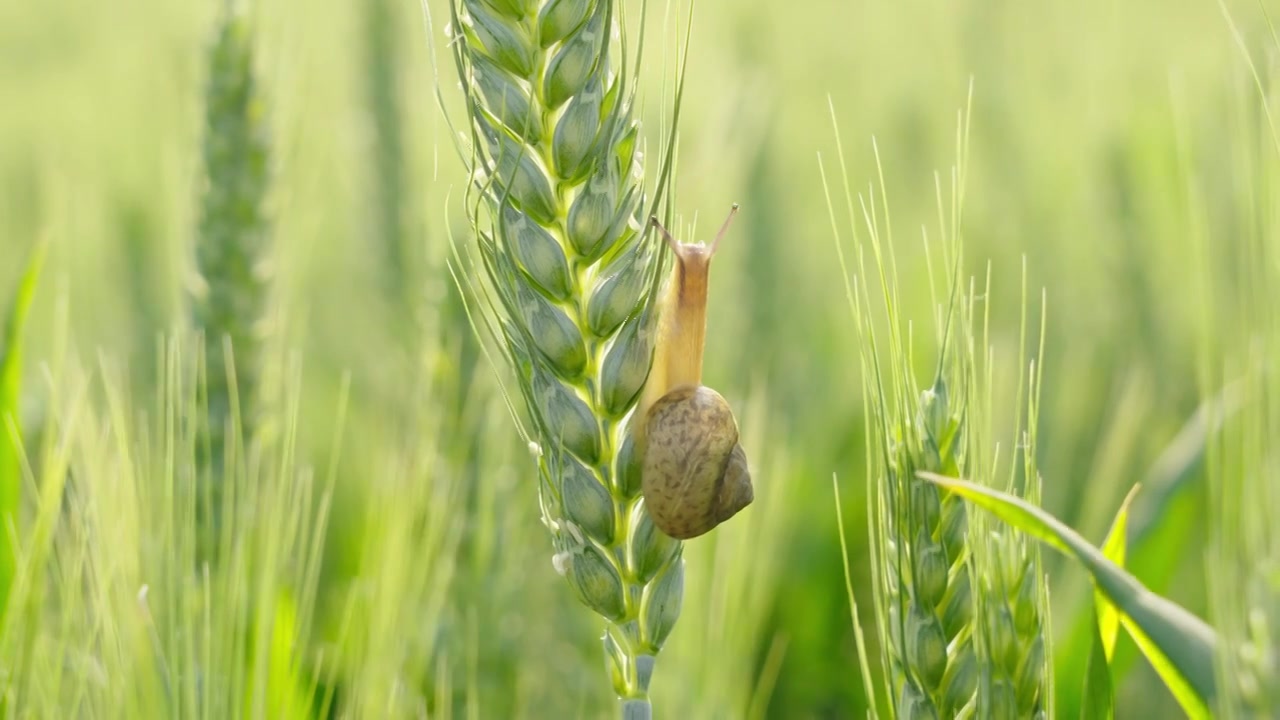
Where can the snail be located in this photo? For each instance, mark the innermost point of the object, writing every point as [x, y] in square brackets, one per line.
[694, 473]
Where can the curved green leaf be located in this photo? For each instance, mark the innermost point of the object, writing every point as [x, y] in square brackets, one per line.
[1114, 548]
[1180, 646]
[1098, 698]
[1183, 688]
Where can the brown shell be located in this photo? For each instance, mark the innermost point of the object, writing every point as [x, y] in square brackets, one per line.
[695, 474]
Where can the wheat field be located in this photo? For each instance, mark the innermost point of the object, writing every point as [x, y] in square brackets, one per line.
[318, 374]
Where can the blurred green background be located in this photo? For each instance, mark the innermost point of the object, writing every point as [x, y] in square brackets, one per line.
[1092, 124]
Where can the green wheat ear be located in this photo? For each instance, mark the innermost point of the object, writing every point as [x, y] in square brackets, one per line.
[960, 608]
[229, 298]
[922, 556]
[568, 278]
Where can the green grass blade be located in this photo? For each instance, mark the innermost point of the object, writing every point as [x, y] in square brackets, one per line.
[1114, 547]
[10, 426]
[1180, 646]
[867, 684]
[283, 687]
[1098, 697]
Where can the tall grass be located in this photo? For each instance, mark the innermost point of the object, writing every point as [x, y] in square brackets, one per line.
[113, 615]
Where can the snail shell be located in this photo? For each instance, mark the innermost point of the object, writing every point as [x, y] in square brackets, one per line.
[695, 472]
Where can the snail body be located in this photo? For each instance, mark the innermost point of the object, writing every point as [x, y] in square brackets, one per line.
[694, 471]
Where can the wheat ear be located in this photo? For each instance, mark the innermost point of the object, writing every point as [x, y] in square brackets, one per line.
[570, 277]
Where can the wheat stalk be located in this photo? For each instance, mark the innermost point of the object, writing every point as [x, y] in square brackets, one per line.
[570, 278]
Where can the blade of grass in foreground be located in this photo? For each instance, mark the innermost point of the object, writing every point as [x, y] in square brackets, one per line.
[1099, 694]
[1115, 548]
[1161, 513]
[1180, 646]
[10, 426]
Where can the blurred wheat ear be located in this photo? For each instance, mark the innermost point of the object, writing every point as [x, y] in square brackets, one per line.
[229, 298]
[566, 279]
